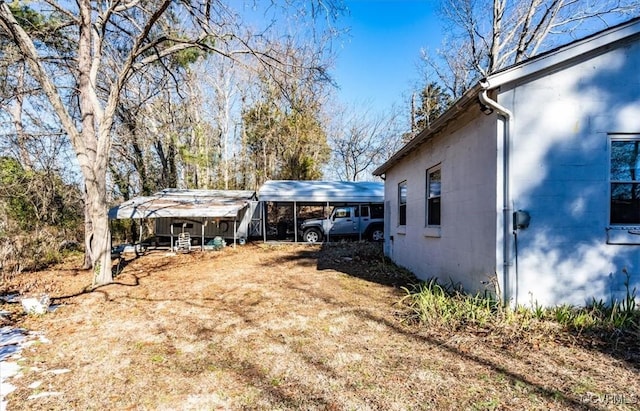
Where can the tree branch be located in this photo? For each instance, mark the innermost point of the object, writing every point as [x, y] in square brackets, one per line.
[28, 49]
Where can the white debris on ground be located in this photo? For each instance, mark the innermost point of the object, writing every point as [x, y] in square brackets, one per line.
[33, 305]
[13, 340]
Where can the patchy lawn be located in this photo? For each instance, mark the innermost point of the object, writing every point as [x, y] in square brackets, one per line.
[285, 327]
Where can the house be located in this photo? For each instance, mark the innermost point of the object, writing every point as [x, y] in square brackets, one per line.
[531, 178]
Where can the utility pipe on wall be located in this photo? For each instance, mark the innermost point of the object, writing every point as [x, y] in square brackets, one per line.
[506, 200]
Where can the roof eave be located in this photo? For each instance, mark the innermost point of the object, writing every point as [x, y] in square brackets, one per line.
[459, 106]
[536, 64]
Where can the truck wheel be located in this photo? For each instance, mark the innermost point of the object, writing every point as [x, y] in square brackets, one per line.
[377, 234]
[312, 235]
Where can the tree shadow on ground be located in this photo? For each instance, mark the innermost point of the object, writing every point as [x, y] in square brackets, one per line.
[366, 260]
[358, 260]
[296, 393]
[121, 278]
[441, 342]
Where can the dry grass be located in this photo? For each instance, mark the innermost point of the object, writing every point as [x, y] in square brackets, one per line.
[286, 327]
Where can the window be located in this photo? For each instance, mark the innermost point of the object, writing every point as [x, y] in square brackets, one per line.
[377, 211]
[364, 209]
[342, 213]
[434, 184]
[625, 180]
[402, 203]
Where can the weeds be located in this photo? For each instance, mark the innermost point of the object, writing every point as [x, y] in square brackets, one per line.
[434, 304]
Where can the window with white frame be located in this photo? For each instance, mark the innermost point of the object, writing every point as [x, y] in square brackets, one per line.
[402, 203]
[433, 192]
[624, 177]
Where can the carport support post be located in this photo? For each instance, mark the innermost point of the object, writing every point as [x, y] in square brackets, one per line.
[327, 216]
[235, 232]
[203, 225]
[359, 221]
[295, 222]
[264, 221]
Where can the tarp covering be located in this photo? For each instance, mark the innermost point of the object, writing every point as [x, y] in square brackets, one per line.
[322, 191]
[185, 204]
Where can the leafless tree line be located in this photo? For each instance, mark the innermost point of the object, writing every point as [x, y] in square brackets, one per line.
[483, 36]
[121, 82]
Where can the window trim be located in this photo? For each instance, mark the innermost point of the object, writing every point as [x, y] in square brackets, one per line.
[428, 197]
[402, 213]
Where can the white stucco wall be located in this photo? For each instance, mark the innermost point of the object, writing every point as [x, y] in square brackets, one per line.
[462, 250]
[560, 174]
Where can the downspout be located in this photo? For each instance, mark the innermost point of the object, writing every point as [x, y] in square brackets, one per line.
[506, 200]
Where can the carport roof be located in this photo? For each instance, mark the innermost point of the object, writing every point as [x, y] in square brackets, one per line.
[185, 204]
[322, 191]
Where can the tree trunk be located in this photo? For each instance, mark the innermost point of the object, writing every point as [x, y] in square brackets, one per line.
[172, 169]
[101, 245]
[139, 164]
[168, 175]
[494, 50]
[88, 230]
[16, 113]
[93, 159]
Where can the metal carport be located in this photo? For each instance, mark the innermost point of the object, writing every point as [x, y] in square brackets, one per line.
[319, 193]
[200, 206]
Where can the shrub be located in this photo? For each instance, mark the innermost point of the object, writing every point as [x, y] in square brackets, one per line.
[30, 251]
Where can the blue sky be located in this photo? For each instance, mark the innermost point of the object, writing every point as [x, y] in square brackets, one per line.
[377, 61]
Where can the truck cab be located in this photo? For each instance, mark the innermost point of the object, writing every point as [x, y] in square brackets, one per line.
[351, 221]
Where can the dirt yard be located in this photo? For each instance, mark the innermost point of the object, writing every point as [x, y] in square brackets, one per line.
[285, 327]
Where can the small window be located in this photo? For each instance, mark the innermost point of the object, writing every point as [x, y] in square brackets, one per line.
[342, 213]
[377, 211]
[363, 209]
[402, 203]
[624, 178]
[434, 188]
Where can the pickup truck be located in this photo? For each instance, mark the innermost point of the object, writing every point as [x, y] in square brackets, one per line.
[354, 221]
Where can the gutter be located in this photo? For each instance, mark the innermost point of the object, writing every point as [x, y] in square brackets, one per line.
[506, 200]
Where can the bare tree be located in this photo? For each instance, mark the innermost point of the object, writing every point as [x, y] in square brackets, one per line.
[487, 35]
[225, 81]
[113, 41]
[361, 141]
[28, 133]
